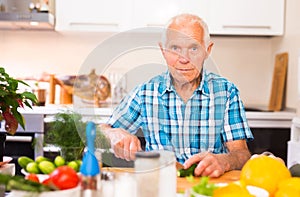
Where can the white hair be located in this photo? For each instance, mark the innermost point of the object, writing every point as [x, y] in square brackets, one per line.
[187, 19]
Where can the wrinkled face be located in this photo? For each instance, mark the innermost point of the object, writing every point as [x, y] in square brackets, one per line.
[185, 52]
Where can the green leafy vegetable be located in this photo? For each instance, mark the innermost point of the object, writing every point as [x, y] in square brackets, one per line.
[204, 188]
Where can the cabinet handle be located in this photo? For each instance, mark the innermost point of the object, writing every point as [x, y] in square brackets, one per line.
[93, 24]
[18, 138]
[246, 27]
[155, 25]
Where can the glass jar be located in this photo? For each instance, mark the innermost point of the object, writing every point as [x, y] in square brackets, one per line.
[167, 174]
[147, 169]
[125, 185]
[107, 184]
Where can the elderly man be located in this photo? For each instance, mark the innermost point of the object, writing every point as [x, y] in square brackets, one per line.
[197, 114]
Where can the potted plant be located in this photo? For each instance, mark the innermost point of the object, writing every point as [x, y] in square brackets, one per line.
[11, 99]
[68, 132]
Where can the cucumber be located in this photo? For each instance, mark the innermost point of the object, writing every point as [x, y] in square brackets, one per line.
[33, 168]
[23, 161]
[19, 183]
[39, 159]
[187, 172]
[46, 167]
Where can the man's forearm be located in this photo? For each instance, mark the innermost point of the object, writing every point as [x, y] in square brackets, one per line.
[235, 160]
[106, 130]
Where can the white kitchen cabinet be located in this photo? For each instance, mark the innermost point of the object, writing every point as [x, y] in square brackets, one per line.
[224, 17]
[92, 15]
[156, 13]
[247, 17]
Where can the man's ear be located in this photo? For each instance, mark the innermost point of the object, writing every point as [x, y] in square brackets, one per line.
[161, 48]
[209, 48]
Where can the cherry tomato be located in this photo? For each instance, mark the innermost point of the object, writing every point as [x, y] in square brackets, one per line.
[64, 177]
[32, 177]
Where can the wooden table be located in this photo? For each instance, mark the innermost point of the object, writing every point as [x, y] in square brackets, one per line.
[183, 183]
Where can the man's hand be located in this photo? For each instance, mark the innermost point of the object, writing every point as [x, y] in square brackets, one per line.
[214, 165]
[209, 164]
[124, 144]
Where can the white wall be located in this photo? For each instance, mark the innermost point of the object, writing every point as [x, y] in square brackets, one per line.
[247, 61]
[27, 53]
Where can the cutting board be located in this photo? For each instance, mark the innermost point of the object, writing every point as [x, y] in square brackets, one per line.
[278, 82]
[231, 176]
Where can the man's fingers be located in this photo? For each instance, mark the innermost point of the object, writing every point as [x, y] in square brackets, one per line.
[202, 165]
[188, 163]
[134, 147]
[215, 173]
[126, 148]
[119, 149]
[194, 159]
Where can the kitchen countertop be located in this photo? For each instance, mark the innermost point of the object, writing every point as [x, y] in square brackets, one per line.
[281, 119]
[54, 109]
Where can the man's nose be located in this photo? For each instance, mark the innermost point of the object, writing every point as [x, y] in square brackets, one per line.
[183, 57]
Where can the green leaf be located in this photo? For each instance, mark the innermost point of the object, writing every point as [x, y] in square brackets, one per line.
[22, 82]
[19, 118]
[30, 96]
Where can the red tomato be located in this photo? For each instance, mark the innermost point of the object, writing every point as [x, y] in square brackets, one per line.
[64, 177]
[47, 181]
[32, 177]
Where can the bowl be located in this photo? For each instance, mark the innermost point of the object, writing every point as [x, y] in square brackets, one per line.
[73, 192]
[41, 177]
[190, 192]
[257, 191]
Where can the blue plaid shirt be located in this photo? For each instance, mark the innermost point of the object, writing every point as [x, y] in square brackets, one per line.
[212, 116]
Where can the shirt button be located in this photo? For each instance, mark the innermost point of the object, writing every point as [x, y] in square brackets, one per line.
[187, 150]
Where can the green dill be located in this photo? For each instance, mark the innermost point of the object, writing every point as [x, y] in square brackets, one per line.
[68, 131]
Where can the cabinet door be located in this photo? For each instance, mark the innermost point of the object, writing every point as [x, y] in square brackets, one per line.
[149, 13]
[91, 15]
[247, 17]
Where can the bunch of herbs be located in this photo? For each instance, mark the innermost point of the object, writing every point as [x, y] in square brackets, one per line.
[68, 131]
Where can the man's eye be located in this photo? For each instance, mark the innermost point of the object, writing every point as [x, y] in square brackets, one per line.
[194, 48]
[174, 48]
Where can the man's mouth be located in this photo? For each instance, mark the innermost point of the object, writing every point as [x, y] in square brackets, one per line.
[184, 69]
